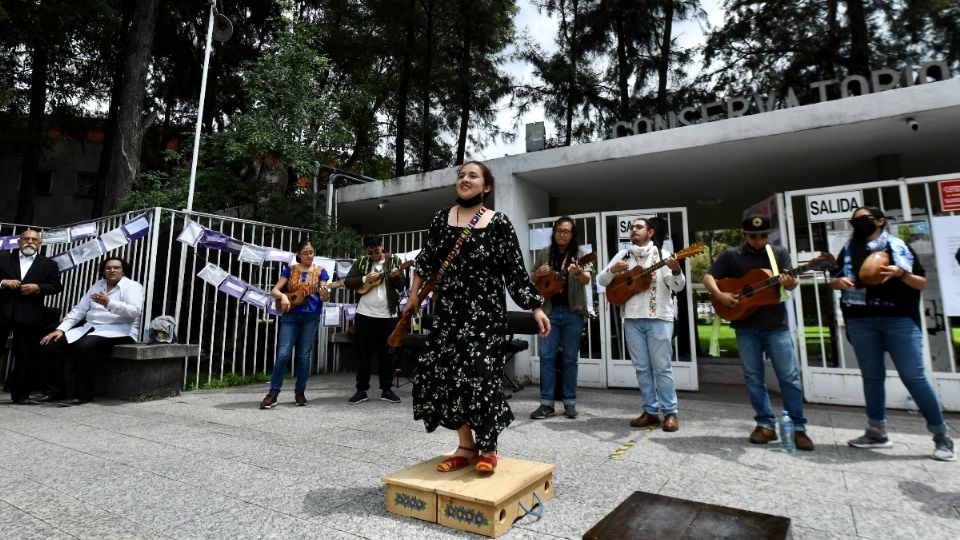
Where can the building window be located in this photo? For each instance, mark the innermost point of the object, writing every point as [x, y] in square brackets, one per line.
[44, 182]
[86, 184]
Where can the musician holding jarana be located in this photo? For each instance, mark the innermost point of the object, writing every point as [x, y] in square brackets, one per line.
[765, 330]
[557, 266]
[648, 320]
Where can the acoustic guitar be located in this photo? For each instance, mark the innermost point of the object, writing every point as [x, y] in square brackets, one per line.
[638, 279]
[554, 282]
[367, 287]
[759, 287]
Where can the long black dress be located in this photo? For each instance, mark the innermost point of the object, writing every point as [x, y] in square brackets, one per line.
[458, 377]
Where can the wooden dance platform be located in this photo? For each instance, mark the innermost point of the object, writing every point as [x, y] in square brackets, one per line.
[647, 515]
[466, 500]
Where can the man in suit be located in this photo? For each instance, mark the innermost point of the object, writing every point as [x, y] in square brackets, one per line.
[26, 277]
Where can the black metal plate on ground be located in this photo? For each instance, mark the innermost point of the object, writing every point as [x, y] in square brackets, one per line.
[647, 515]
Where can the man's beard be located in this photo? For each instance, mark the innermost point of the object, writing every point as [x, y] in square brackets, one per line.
[29, 251]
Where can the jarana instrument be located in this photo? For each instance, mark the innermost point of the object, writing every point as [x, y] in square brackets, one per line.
[553, 282]
[638, 279]
[402, 328]
[872, 265]
[299, 297]
[367, 287]
[759, 287]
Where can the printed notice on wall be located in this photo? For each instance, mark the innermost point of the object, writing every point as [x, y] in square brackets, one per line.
[946, 242]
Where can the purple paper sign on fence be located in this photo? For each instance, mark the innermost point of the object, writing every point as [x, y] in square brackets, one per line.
[64, 261]
[9, 242]
[233, 287]
[219, 241]
[137, 227]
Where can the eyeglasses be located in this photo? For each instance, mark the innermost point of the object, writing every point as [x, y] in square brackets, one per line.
[758, 235]
[563, 232]
[113, 269]
[638, 227]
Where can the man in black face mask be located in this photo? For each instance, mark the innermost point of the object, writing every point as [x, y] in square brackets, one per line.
[764, 331]
[26, 277]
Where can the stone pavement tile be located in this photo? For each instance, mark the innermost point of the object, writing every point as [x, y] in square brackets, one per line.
[15, 523]
[564, 518]
[251, 521]
[895, 494]
[733, 491]
[608, 488]
[875, 523]
[835, 518]
[367, 517]
[9, 475]
[73, 515]
[893, 462]
[96, 415]
[806, 533]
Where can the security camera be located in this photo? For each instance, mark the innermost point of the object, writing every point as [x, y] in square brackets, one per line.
[380, 206]
[914, 125]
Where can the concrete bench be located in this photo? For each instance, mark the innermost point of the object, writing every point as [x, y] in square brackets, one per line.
[142, 371]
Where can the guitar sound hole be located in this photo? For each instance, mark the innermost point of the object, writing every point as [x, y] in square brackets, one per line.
[747, 291]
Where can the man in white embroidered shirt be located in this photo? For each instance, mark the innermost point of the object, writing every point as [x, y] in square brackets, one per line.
[108, 314]
[648, 321]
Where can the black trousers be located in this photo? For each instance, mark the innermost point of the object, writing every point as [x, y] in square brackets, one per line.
[30, 366]
[371, 339]
[80, 360]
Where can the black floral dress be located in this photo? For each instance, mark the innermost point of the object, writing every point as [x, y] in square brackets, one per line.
[458, 377]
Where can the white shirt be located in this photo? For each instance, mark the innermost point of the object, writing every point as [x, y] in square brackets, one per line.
[119, 318]
[374, 303]
[26, 263]
[639, 306]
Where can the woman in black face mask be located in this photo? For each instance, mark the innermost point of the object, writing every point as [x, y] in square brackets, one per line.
[881, 308]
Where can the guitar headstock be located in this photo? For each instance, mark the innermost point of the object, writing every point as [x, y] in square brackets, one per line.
[587, 259]
[335, 284]
[690, 251]
[821, 262]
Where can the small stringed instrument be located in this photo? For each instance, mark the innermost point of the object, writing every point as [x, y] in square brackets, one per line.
[638, 279]
[299, 297]
[872, 265]
[367, 287]
[554, 282]
[403, 325]
[759, 287]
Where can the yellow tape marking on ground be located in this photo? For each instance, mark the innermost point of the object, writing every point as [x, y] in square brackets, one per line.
[627, 445]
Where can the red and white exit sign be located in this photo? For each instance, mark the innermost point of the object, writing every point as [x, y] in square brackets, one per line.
[949, 195]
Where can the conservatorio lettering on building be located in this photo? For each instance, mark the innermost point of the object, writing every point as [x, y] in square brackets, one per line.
[880, 80]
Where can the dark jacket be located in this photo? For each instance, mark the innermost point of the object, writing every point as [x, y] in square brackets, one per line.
[364, 265]
[18, 309]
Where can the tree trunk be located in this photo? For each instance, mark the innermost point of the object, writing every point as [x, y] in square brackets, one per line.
[402, 94]
[427, 135]
[623, 71]
[464, 76]
[573, 88]
[31, 155]
[664, 64]
[125, 151]
[859, 48]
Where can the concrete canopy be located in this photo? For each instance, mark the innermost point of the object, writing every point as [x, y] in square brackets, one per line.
[715, 169]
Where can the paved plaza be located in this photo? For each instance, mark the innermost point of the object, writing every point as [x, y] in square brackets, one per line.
[210, 464]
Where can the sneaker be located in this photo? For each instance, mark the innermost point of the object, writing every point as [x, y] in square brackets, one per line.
[300, 399]
[762, 435]
[871, 439]
[570, 410]
[944, 450]
[269, 401]
[542, 412]
[359, 397]
[803, 441]
[388, 395]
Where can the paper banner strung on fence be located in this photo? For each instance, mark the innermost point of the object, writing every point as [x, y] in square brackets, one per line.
[86, 251]
[332, 315]
[234, 287]
[111, 240]
[83, 231]
[213, 274]
[64, 262]
[279, 255]
[137, 228]
[191, 234]
[9, 242]
[252, 254]
[237, 288]
[55, 236]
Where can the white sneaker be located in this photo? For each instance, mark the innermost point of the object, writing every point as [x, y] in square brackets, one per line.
[944, 449]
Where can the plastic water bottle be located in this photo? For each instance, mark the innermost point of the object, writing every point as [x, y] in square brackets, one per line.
[787, 443]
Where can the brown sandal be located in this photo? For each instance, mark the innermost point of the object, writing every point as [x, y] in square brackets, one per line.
[454, 463]
[486, 463]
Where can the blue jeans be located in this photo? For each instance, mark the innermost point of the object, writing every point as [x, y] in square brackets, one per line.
[566, 328]
[300, 329]
[650, 343]
[779, 347]
[900, 336]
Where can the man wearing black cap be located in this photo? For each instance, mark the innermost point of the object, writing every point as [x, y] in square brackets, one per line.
[648, 321]
[765, 330]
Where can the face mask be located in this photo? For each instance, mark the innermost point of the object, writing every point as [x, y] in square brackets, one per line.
[28, 250]
[863, 228]
[471, 202]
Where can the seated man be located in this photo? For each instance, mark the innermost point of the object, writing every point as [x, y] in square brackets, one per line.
[107, 315]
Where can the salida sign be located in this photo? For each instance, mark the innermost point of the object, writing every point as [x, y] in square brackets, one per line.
[833, 206]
